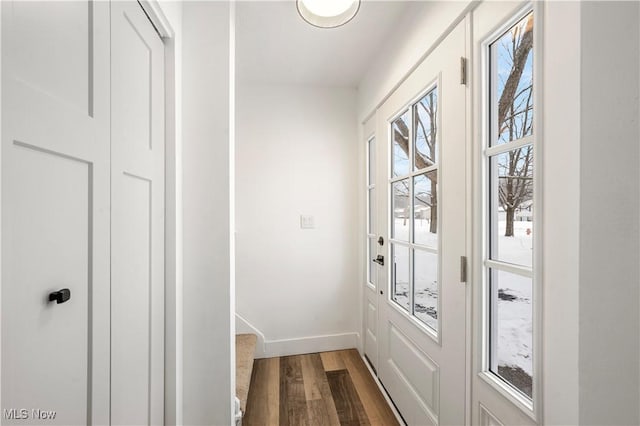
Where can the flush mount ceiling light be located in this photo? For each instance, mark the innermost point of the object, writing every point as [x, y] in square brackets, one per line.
[328, 13]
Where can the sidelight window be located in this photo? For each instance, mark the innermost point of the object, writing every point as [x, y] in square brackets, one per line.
[509, 161]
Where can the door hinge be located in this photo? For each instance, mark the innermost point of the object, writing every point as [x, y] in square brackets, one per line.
[463, 70]
[463, 269]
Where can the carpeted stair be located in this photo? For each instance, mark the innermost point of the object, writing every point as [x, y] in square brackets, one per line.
[245, 353]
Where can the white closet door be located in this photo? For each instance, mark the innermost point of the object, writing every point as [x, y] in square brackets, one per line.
[55, 212]
[137, 255]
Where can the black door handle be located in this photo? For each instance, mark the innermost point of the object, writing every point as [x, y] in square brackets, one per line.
[379, 259]
[60, 296]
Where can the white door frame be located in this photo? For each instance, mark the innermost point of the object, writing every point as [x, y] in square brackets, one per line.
[173, 235]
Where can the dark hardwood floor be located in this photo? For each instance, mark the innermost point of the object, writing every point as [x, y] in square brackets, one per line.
[329, 388]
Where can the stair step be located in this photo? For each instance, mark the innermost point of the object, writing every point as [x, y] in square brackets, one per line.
[245, 353]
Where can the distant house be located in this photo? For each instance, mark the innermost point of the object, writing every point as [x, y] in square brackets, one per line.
[524, 213]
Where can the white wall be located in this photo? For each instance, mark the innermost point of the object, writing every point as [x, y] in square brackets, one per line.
[609, 214]
[208, 286]
[422, 26]
[561, 226]
[297, 154]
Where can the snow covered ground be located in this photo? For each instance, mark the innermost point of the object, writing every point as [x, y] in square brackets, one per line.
[426, 272]
[514, 310]
[515, 314]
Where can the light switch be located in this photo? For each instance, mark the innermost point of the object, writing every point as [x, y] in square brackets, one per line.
[307, 221]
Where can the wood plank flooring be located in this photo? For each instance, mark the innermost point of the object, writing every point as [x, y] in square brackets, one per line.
[330, 388]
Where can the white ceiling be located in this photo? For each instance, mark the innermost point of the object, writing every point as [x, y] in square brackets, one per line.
[275, 46]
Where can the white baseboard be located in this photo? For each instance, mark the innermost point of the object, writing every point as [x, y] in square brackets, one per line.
[244, 326]
[312, 344]
[296, 346]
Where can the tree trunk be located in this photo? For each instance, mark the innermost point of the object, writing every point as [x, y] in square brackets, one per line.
[519, 60]
[433, 225]
[510, 215]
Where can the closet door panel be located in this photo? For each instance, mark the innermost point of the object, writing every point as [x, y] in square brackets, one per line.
[137, 282]
[55, 212]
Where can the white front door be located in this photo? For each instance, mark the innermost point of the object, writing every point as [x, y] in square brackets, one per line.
[55, 212]
[421, 183]
[137, 221]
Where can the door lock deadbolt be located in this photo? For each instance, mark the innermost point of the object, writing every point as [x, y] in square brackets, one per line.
[381, 241]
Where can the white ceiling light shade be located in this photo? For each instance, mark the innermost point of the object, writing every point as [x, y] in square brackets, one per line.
[328, 13]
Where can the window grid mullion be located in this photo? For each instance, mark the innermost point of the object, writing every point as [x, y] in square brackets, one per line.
[414, 174]
[509, 267]
[492, 151]
[421, 247]
[411, 210]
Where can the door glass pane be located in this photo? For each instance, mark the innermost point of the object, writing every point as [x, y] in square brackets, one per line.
[425, 116]
[400, 201]
[400, 138]
[512, 61]
[512, 206]
[372, 252]
[372, 161]
[400, 276]
[425, 209]
[512, 329]
[426, 288]
[372, 211]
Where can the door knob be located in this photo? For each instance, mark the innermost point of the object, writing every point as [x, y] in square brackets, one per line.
[60, 296]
